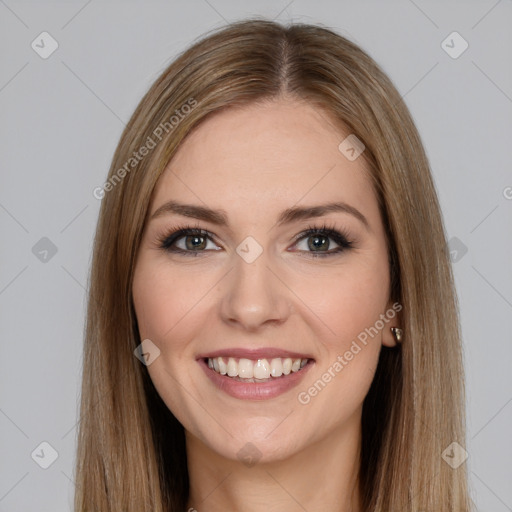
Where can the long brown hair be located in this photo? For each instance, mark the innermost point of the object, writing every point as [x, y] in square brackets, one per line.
[131, 449]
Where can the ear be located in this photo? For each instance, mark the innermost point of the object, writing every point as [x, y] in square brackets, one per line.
[394, 320]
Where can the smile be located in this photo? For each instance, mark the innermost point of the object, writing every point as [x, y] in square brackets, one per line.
[258, 374]
[260, 370]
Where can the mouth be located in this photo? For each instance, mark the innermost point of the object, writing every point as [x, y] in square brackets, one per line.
[257, 376]
[254, 371]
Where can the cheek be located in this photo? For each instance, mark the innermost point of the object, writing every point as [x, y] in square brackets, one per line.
[347, 301]
[351, 306]
[164, 301]
[348, 304]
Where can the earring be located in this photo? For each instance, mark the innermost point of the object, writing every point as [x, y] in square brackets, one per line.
[397, 333]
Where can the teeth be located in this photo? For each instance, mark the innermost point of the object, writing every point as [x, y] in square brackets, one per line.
[276, 367]
[232, 367]
[223, 367]
[245, 369]
[261, 369]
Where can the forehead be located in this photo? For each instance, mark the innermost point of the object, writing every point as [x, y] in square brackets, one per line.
[263, 157]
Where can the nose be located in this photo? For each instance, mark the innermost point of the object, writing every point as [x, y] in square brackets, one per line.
[253, 296]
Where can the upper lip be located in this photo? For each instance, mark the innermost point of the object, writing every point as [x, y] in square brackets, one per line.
[254, 353]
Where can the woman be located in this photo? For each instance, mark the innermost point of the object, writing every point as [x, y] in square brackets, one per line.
[270, 248]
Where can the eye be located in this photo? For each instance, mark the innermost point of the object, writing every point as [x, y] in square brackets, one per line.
[322, 241]
[189, 241]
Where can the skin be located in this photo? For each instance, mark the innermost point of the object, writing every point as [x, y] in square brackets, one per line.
[252, 163]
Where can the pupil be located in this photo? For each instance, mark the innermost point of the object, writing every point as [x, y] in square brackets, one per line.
[318, 242]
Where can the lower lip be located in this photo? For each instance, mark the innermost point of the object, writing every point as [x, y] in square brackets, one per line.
[255, 390]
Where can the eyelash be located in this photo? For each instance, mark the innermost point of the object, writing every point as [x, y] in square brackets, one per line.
[166, 240]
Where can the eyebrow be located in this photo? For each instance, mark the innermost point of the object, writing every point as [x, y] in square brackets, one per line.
[288, 216]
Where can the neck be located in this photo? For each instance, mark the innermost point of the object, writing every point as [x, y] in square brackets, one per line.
[323, 476]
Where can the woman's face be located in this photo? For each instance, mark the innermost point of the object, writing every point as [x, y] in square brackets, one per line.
[258, 290]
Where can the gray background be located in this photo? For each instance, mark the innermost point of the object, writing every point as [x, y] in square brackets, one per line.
[62, 118]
